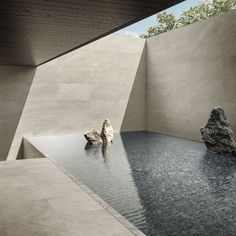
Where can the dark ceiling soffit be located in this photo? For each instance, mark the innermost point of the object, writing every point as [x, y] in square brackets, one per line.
[112, 31]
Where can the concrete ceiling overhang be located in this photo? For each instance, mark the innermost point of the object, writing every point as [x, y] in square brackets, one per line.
[34, 32]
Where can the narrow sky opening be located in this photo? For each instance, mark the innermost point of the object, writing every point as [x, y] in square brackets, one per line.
[141, 27]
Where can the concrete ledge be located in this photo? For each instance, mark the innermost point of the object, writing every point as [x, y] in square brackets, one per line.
[39, 198]
[28, 150]
[101, 202]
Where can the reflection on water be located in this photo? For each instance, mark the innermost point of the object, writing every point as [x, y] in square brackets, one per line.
[163, 185]
[220, 171]
[96, 150]
[107, 151]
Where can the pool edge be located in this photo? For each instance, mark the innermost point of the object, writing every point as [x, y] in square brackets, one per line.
[127, 224]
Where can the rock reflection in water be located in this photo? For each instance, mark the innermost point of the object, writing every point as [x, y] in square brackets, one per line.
[94, 150]
[220, 171]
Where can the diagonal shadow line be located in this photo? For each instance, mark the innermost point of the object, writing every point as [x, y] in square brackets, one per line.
[135, 114]
[16, 103]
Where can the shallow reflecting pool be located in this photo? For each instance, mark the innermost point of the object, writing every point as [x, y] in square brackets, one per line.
[163, 185]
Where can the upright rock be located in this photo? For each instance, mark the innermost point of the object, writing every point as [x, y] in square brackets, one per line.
[93, 137]
[107, 132]
[217, 134]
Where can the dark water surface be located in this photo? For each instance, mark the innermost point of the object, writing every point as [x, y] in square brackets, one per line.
[163, 185]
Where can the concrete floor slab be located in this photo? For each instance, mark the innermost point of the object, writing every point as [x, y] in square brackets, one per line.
[37, 198]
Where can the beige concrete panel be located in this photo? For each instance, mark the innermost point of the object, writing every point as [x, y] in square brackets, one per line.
[29, 151]
[114, 110]
[15, 82]
[33, 202]
[136, 113]
[44, 92]
[190, 71]
[73, 92]
[80, 89]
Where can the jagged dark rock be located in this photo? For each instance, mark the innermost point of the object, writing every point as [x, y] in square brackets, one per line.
[217, 133]
[93, 137]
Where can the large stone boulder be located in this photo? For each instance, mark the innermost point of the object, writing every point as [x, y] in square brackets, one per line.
[107, 132]
[217, 134]
[93, 137]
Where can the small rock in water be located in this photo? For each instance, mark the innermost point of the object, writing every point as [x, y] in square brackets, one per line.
[107, 132]
[217, 133]
[93, 137]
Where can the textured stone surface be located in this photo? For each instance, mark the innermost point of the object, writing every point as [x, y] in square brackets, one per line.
[184, 84]
[15, 82]
[107, 131]
[93, 137]
[37, 198]
[217, 133]
[76, 91]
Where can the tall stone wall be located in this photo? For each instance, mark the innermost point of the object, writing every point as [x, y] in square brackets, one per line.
[189, 71]
[15, 82]
[167, 84]
[79, 90]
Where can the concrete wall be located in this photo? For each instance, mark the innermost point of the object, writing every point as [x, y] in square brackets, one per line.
[167, 85]
[189, 71]
[79, 90]
[15, 82]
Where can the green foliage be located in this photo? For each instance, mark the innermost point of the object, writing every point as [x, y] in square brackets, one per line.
[167, 21]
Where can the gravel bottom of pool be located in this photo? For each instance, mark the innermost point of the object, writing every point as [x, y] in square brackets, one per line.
[163, 185]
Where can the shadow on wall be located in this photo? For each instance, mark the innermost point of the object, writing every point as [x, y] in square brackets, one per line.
[15, 83]
[28, 151]
[135, 113]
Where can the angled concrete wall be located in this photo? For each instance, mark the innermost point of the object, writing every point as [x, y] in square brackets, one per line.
[189, 71]
[15, 82]
[168, 84]
[135, 113]
[79, 90]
